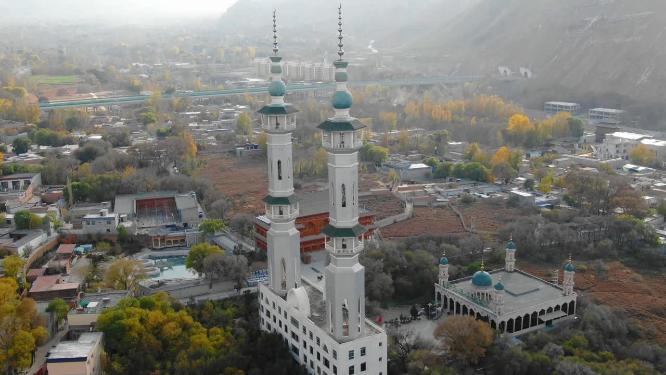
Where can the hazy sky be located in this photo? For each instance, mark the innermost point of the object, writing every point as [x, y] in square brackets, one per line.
[193, 7]
[110, 10]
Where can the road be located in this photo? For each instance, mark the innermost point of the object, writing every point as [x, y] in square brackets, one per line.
[419, 81]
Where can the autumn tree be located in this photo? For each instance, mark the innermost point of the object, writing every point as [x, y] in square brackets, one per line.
[197, 254]
[372, 153]
[124, 274]
[13, 265]
[642, 155]
[59, 309]
[546, 184]
[244, 125]
[465, 338]
[20, 328]
[211, 226]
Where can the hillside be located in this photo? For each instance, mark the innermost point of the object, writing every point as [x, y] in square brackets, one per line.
[310, 25]
[598, 52]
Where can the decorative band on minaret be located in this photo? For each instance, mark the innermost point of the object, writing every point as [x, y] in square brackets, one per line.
[283, 240]
[345, 283]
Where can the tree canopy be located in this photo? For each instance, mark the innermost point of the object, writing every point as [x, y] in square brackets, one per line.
[197, 254]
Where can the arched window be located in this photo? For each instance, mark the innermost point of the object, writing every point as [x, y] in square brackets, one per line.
[345, 319]
[283, 265]
[279, 169]
[344, 196]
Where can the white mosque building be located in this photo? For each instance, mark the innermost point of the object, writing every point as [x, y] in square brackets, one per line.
[513, 302]
[322, 320]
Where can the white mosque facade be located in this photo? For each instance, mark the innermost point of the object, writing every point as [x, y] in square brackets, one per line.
[322, 320]
[512, 301]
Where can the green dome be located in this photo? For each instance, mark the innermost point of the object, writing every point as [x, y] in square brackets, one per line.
[443, 261]
[342, 100]
[511, 245]
[499, 286]
[482, 278]
[569, 267]
[277, 88]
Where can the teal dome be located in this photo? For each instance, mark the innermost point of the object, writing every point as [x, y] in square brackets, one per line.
[482, 278]
[277, 88]
[443, 261]
[569, 267]
[499, 286]
[342, 100]
[511, 245]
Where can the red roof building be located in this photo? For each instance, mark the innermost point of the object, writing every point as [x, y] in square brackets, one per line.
[313, 208]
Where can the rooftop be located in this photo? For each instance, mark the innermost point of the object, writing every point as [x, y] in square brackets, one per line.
[51, 282]
[521, 290]
[75, 351]
[562, 103]
[17, 176]
[628, 135]
[66, 249]
[607, 110]
[653, 142]
[95, 303]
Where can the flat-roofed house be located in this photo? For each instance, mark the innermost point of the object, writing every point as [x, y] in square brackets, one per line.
[80, 357]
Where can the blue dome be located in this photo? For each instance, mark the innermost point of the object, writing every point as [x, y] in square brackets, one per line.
[511, 245]
[499, 286]
[277, 88]
[482, 278]
[342, 100]
[443, 261]
[569, 267]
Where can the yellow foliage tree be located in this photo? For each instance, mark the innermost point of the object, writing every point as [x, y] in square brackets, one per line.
[501, 156]
[124, 274]
[519, 124]
[642, 155]
[465, 338]
[20, 328]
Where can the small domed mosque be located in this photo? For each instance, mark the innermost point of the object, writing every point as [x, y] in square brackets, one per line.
[513, 302]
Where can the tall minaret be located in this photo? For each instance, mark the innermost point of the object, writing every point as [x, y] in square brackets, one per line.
[345, 284]
[568, 279]
[498, 297]
[283, 240]
[444, 271]
[510, 256]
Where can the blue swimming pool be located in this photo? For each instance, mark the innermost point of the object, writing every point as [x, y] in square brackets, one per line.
[171, 268]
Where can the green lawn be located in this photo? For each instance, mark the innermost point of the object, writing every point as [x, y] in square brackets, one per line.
[56, 80]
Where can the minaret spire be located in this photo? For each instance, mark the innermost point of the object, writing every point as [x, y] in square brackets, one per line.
[275, 38]
[341, 51]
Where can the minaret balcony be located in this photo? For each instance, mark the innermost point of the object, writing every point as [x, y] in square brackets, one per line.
[281, 208]
[343, 140]
[344, 241]
[344, 246]
[278, 123]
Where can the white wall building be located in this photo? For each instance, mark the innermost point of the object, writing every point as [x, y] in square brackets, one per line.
[555, 107]
[103, 222]
[322, 321]
[606, 116]
[619, 145]
[512, 301]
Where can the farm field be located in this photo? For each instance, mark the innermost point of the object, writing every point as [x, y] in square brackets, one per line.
[426, 220]
[42, 79]
[642, 296]
[242, 180]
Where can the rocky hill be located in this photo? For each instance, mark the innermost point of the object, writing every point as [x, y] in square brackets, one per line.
[591, 48]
